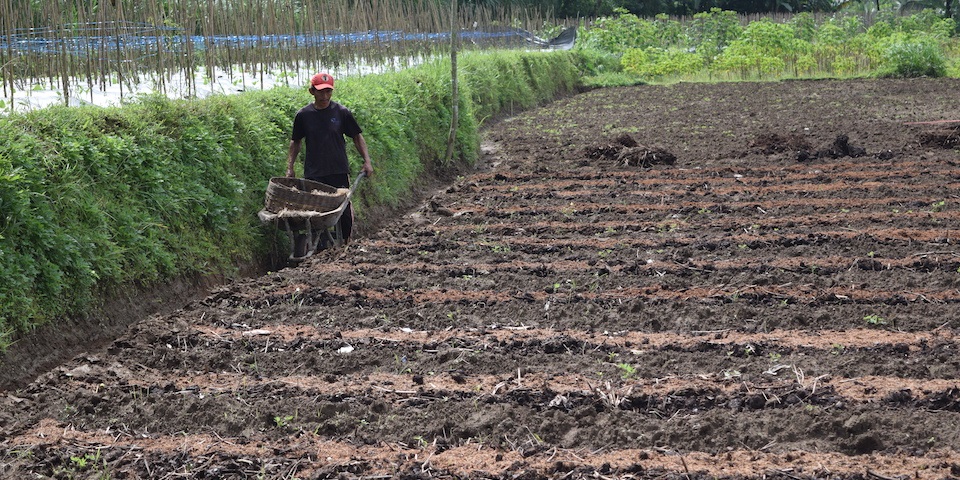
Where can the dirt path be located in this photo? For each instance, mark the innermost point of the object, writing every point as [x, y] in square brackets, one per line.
[733, 280]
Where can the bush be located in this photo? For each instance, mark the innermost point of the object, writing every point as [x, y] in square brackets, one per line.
[592, 62]
[764, 48]
[919, 57]
[658, 63]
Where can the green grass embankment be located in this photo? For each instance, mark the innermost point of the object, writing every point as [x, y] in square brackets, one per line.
[95, 200]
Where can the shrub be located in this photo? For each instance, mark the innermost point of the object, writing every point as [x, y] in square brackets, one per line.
[918, 57]
[658, 63]
[712, 31]
[625, 30]
[591, 62]
[764, 48]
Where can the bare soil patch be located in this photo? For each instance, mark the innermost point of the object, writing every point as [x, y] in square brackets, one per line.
[688, 281]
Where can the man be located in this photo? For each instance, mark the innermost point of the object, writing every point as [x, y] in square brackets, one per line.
[324, 123]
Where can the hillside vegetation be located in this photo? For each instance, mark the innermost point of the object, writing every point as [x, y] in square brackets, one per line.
[719, 45]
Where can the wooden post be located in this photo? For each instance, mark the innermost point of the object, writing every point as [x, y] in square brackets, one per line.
[455, 95]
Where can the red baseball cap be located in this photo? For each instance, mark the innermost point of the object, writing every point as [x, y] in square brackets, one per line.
[321, 81]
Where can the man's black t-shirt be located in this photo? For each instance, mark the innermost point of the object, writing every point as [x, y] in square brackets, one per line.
[326, 151]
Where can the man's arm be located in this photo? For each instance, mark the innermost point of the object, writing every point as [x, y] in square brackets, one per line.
[361, 145]
[292, 154]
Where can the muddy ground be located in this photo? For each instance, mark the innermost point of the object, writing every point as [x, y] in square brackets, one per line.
[688, 281]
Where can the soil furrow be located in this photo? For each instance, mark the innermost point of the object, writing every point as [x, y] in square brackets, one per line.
[213, 455]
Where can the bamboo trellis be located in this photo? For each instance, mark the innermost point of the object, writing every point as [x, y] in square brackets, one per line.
[81, 46]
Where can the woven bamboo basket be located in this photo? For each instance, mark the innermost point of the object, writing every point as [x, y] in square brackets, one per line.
[302, 195]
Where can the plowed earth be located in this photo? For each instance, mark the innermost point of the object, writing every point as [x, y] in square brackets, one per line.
[689, 281]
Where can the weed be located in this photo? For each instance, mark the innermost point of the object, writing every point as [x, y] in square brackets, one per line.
[666, 227]
[79, 462]
[874, 320]
[627, 371]
[283, 421]
[6, 338]
[498, 247]
[400, 361]
[88, 462]
[295, 296]
[21, 454]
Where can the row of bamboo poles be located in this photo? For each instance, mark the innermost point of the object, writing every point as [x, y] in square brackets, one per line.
[81, 46]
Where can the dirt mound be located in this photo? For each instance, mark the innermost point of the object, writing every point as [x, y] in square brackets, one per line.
[840, 148]
[945, 138]
[624, 150]
[769, 143]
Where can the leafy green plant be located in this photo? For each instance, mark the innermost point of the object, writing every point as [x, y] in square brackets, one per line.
[627, 371]
[88, 462]
[712, 31]
[914, 57]
[874, 320]
[657, 63]
[764, 49]
[283, 421]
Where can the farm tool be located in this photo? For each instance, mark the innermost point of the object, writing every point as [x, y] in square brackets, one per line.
[308, 211]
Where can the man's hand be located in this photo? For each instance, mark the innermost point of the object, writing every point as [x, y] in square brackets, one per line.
[361, 145]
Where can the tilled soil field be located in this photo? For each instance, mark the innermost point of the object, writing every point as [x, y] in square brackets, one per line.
[689, 281]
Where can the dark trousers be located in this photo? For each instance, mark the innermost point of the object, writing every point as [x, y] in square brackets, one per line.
[341, 180]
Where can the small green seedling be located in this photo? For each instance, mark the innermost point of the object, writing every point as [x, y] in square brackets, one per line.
[282, 421]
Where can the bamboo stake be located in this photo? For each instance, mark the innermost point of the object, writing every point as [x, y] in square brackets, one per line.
[116, 30]
[64, 68]
[6, 63]
[454, 41]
